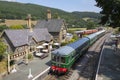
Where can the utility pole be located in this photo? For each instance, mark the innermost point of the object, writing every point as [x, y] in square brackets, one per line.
[26, 56]
[8, 59]
[8, 63]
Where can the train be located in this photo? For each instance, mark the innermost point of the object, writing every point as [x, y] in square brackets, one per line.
[87, 31]
[64, 57]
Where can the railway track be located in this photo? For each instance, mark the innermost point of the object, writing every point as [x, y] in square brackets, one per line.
[50, 77]
[89, 71]
[62, 77]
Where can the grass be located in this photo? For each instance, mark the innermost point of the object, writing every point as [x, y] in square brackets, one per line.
[71, 30]
[75, 29]
[16, 22]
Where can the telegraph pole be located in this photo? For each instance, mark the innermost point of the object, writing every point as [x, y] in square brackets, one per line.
[8, 60]
[26, 56]
[8, 63]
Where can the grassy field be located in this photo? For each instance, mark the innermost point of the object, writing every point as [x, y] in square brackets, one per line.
[71, 30]
[16, 22]
[76, 29]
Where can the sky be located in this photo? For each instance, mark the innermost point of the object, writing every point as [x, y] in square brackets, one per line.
[66, 5]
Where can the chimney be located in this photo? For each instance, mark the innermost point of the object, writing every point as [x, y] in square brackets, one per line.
[29, 22]
[48, 14]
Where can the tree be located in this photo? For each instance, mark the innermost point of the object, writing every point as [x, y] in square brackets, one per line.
[3, 27]
[2, 50]
[110, 11]
[91, 25]
[55, 16]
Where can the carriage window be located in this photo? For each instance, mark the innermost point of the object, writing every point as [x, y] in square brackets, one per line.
[63, 59]
[53, 58]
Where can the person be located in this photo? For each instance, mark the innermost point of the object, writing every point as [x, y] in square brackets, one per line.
[116, 43]
[114, 47]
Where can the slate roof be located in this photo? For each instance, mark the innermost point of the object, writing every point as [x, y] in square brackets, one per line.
[20, 37]
[53, 25]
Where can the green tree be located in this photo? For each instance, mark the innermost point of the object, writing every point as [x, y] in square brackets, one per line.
[110, 11]
[3, 27]
[91, 25]
[2, 50]
[55, 16]
[16, 27]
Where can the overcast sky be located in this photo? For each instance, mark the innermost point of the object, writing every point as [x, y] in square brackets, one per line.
[67, 5]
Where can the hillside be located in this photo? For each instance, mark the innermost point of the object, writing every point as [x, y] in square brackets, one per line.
[15, 10]
[87, 14]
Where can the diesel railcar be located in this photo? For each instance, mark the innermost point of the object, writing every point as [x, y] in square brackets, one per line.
[64, 57]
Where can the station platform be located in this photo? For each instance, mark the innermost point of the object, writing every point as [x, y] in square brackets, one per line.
[34, 67]
[109, 65]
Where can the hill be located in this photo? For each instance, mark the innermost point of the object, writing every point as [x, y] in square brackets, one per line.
[87, 14]
[15, 10]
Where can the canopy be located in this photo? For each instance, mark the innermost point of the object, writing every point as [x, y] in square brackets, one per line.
[56, 43]
[39, 47]
[44, 44]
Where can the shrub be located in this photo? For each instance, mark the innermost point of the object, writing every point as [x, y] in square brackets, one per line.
[16, 27]
[64, 43]
[3, 66]
[3, 27]
[30, 56]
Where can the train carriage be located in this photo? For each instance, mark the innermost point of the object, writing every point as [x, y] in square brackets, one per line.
[95, 36]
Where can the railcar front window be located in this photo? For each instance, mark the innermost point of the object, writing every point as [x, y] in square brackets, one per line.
[63, 59]
[53, 58]
[58, 59]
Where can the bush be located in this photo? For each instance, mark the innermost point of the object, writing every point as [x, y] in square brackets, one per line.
[16, 27]
[30, 56]
[3, 66]
[2, 50]
[64, 43]
[3, 27]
